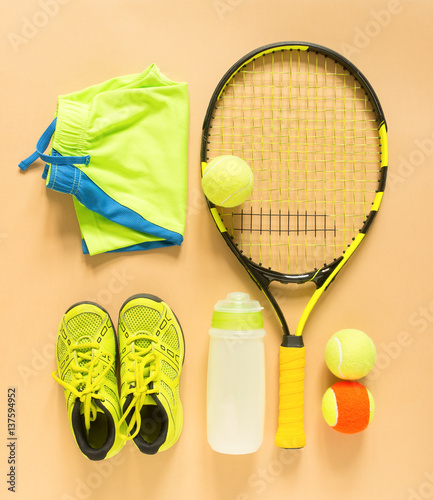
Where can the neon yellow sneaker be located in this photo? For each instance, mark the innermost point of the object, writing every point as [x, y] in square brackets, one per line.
[152, 350]
[86, 362]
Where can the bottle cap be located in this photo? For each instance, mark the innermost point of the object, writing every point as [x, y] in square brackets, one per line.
[237, 312]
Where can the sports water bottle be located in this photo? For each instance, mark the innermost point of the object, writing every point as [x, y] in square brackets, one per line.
[236, 376]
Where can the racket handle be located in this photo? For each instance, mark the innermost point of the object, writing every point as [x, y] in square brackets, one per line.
[290, 432]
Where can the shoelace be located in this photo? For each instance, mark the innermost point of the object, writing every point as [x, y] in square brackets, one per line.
[85, 385]
[145, 371]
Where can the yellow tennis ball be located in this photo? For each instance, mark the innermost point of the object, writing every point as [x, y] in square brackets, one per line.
[350, 354]
[227, 181]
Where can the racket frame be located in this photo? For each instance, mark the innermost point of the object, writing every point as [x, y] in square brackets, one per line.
[323, 277]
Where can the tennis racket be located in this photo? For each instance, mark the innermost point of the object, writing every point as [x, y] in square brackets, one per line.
[312, 129]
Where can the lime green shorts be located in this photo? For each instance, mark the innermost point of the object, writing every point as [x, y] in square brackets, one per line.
[120, 148]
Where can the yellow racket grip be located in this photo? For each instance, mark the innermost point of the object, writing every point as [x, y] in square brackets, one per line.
[290, 432]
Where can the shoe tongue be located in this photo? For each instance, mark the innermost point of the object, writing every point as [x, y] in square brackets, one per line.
[149, 401]
[98, 410]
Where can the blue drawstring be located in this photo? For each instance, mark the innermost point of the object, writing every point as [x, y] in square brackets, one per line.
[42, 145]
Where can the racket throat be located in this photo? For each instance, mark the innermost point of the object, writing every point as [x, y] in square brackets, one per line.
[323, 274]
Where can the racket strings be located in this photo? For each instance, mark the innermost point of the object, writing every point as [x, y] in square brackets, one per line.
[306, 127]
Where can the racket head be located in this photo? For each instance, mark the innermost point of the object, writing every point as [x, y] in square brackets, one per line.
[311, 127]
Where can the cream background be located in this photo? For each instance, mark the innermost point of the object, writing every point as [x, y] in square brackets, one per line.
[386, 289]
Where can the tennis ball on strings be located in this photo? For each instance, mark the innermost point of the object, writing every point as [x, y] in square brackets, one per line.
[348, 407]
[350, 354]
[227, 181]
